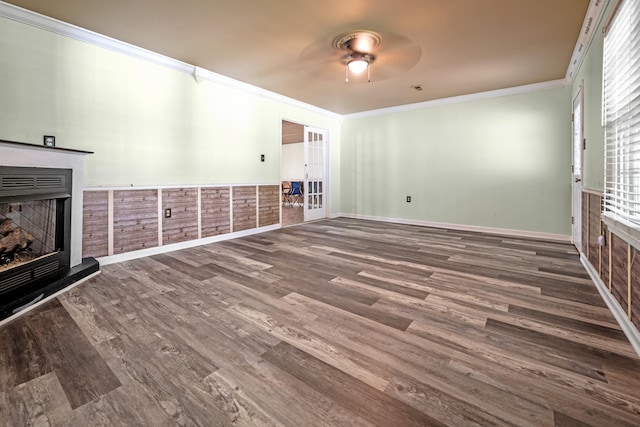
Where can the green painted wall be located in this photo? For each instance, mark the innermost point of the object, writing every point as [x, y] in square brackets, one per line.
[147, 124]
[501, 162]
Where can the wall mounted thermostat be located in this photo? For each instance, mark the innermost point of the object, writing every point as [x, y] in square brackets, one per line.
[49, 140]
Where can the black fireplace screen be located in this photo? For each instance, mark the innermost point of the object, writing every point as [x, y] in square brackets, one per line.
[27, 231]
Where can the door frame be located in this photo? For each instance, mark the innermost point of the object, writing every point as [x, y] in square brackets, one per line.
[328, 180]
[577, 184]
[325, 172]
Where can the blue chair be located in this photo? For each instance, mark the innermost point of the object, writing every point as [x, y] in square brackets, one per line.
[295, 195]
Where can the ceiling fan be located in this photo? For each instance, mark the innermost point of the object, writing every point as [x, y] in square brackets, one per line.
[356, 51]
[360, 46]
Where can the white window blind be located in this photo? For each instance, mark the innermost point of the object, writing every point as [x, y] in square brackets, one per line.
[621, 110]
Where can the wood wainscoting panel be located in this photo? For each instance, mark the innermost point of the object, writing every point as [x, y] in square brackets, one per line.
[183, 223]
[604, 262]
[595, 205]
[268, 205]
[95, 224]
[635, 288]
[244, 208]
[214, 211]
[135, 220]
[586, 223]
[619, 273]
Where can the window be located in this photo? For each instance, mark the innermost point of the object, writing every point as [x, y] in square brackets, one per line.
[621, 114]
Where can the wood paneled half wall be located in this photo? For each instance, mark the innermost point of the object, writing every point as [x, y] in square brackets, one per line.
[617, 262]
[125, 220]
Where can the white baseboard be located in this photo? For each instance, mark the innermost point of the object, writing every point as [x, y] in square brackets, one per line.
[500, 231]
[112, 259]
[621, 317]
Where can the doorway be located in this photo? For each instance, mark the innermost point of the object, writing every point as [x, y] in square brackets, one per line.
[315, 155]
[576, 169]
[303, 173]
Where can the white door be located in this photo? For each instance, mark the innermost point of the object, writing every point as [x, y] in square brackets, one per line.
[576, 171]
[315, 156]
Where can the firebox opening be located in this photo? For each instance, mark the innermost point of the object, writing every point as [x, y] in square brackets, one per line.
[29, 230]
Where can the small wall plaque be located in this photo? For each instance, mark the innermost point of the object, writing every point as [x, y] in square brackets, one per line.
[49, 141]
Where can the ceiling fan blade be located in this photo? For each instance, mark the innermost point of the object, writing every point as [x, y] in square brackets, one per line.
[398, 52]
[396, 61]
[321, 60]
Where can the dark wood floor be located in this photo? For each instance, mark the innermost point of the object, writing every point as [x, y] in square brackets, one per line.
[339, 322]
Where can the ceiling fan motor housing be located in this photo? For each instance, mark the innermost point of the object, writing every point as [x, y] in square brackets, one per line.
[360, 45]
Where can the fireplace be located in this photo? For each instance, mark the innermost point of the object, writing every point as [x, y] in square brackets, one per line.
[35, 236]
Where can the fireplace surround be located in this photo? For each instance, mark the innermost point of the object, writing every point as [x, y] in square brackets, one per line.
[38, 219]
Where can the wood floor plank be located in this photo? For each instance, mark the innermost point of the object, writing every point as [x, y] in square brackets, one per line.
[462, 338]
[61, 348]
[453, 411]
[311, 344]
[569, 381]
[498, 295]
[198, 273]
[381, 287]
[524, 387]
[22, 356]
[564, 420]
[170, 391]
[619, 370]
[40, 401]
[406, 363]
[588, 327]
[233, 293]
[355, 396]
[271, 396]
[340, 322]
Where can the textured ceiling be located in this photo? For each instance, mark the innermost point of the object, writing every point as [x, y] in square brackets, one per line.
[449, 47]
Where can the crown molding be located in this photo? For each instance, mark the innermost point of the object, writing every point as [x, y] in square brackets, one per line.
[65, 29]
[553, 84]
[56, 26]
[202, 74]
[591, 22]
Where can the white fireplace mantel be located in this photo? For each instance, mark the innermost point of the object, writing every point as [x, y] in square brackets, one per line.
[29, 155]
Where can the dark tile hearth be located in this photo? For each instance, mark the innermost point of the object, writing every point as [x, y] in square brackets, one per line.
[15, 302]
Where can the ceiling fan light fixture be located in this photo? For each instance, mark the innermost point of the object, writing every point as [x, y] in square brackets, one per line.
[357, 66]
[357, 63]
[359, 46]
